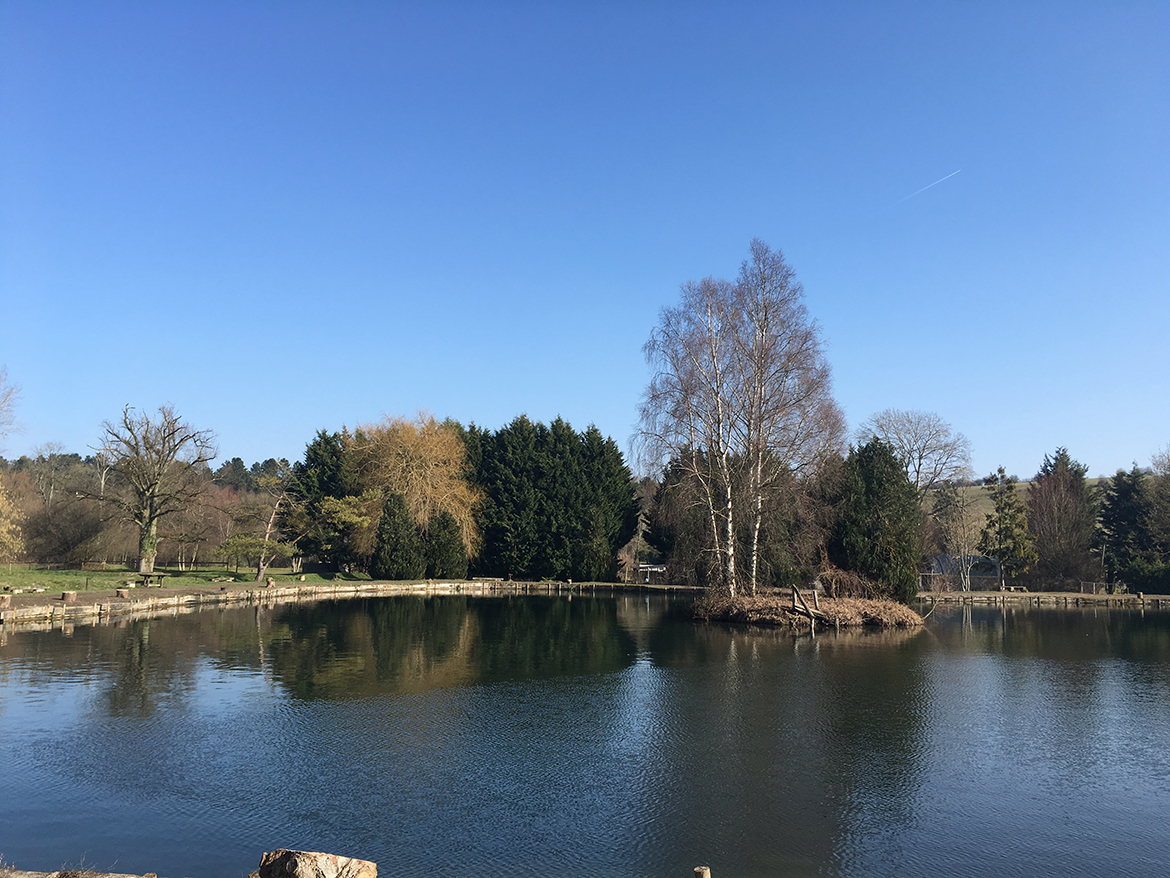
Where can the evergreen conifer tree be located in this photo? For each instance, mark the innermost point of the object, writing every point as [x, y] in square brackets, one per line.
[1128, 532]
[1062, 517]
[1005, 534]
[555, 503]
[879, 529]
[398, 549]
[445, 556]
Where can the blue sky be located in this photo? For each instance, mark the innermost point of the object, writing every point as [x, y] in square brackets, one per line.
[282, 217]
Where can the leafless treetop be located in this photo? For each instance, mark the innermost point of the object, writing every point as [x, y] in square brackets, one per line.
[8, 396]
[928, 447]
[157, 460]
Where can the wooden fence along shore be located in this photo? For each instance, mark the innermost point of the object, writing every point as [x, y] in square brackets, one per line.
[1046, 599]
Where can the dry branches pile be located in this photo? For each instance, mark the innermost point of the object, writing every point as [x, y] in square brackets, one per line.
[777, 610]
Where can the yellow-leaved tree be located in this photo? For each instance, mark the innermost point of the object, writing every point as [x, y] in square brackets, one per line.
[424, 460]
[11, 543]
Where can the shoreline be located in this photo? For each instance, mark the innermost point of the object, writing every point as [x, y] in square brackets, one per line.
[36, 612]
[1069, 599]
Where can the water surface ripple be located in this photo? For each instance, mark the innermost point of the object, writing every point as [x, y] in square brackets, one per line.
[589, 737]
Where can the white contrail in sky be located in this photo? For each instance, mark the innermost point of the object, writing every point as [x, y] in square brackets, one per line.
[924, 188]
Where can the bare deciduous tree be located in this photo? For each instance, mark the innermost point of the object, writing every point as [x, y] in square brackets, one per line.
[740, 396]
[155, 466]
[790, 420]
[47, 469]
[960, 525]
[8, 396]
[926, 444]
[259, 522]
[686, 412]
[1062, 516]
[1160, 462]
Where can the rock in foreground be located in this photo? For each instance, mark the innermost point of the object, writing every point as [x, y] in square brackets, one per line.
[311, 864]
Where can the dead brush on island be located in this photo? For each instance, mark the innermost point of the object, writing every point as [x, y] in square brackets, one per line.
[778, 610]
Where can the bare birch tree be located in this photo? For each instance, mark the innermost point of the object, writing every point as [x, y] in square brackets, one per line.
[740, 396]
[928, 447]
[787, 418]
[155, 465]
[686, 411]
[960, 525]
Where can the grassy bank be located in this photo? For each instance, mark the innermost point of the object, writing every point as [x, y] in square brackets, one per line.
[25, 578]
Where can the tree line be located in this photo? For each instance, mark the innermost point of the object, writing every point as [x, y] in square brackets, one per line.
[749, 481]
[401, 499]
[760, 487]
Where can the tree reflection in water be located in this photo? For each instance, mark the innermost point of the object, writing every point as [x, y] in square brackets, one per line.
[532, 736]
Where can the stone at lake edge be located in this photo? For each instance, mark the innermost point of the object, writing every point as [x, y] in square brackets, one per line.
[311, 864]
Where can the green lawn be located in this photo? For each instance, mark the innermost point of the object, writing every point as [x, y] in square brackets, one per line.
[29, 578]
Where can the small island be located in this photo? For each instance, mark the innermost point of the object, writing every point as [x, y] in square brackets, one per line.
[796, 612]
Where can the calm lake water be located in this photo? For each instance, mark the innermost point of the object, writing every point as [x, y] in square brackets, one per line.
[589, 737]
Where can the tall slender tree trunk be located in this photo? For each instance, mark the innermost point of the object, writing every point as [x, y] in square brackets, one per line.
[757, 516]
[729, 526]
[266, 559]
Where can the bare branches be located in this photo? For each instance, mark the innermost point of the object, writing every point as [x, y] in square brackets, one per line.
[741, 395]
[1160, 462]
[155, 464]
[960, 525]
[925, 443]
[9, 393]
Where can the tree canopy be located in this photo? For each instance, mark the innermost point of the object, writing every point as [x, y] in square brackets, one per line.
[556, 504]
[1062, 518]
[878, 534]
[929, 448]
[156, 465]
[740, 398]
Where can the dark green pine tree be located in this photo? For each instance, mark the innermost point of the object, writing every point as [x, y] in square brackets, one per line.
[1005, 534]
[608, 510]
[560, 488]
[446, 557]
[398, 547]
[878, 535]
[1062, 516]
[508, 509]
[1127, 536]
